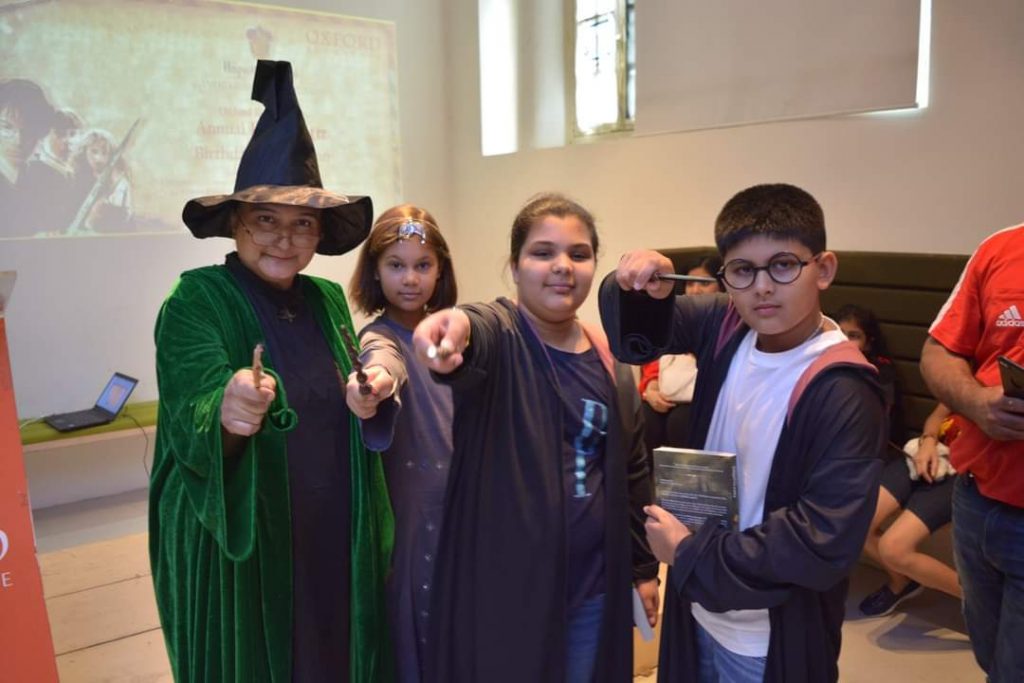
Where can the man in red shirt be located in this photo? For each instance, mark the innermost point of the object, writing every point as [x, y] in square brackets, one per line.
[981, 321]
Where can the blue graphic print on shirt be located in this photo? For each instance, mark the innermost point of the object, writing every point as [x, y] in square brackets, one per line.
[594, 418]
[586, 391]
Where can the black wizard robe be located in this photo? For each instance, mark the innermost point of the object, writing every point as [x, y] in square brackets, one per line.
[500, 590]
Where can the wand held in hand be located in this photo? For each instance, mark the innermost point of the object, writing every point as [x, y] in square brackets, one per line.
[357, 365]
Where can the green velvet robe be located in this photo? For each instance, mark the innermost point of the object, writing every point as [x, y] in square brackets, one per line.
[220, 528]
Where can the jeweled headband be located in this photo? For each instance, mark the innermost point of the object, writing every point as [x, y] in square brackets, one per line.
[411, 227]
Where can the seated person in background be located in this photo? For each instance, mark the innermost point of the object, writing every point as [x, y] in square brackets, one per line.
[666, 384]
[919, 487]
[861, 327]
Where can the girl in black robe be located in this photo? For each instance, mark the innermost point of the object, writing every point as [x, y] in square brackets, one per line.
[543, 539]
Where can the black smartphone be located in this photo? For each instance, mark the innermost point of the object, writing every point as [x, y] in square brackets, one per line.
[1013, 377]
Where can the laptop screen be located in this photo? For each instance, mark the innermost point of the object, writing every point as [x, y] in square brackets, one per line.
[116, 393]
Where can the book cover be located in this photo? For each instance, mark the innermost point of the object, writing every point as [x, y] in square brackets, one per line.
[697, 486]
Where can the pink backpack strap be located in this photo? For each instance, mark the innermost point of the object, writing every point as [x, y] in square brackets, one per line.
[600, 343]
[730, 323]
[843, 353]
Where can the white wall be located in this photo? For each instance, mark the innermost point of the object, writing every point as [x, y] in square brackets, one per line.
[85, 308]
[938, 180]
[69, 470]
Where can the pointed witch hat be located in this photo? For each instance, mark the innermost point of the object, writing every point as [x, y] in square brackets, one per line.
[279, 167]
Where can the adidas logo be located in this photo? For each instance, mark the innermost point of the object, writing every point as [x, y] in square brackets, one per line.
[1010, 318]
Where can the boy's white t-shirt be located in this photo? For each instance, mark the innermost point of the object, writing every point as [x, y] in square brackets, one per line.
[747, 421]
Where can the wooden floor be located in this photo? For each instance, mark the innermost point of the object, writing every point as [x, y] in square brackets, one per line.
[103, 616]
[105, 627]
[102, 613]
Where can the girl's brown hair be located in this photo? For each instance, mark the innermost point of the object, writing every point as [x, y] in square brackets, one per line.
[547, 204]
[365, 291]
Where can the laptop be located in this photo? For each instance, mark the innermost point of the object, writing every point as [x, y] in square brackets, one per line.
[108, 405]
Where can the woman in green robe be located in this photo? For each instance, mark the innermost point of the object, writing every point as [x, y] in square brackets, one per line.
[270, 527]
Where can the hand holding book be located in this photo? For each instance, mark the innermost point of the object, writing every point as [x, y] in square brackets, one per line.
[664, 533]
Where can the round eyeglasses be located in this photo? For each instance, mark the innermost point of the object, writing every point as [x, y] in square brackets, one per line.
[783, 269]
[302, 236]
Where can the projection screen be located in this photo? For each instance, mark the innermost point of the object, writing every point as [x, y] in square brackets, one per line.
[114, 112]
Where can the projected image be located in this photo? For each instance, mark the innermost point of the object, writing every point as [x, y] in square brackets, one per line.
[113, 113]
[76, 180]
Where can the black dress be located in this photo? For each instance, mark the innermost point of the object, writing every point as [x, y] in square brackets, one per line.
[318, 477]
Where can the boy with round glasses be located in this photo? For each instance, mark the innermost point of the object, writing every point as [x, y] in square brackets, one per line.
[779, 386]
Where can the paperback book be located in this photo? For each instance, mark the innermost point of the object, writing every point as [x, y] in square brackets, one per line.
[697, 486]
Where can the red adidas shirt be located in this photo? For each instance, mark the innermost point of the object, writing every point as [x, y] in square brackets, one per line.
[983, 319]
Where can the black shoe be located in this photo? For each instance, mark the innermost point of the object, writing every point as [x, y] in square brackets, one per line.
[883, 600]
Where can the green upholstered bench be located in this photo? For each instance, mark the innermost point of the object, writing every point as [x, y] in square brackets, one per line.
[101, 461]
[133, 416]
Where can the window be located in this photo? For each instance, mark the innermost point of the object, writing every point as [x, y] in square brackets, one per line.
[604, 67]
[736, 62]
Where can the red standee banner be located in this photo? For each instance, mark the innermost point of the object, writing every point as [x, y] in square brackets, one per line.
[26, 648]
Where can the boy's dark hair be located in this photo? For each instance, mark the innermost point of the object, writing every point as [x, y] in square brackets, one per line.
[65, 121]
[778, 211]
[365, 291]
[868, 323]
[27, 98]
[547, 204]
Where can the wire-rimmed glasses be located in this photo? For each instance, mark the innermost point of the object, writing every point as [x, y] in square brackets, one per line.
[302, 236]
